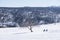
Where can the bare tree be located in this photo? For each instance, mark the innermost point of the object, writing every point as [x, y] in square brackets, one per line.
[30, 21]
[27, 21]
[30, 25]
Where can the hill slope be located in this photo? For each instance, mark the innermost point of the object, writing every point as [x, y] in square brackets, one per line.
[53, 33]
[21, 16]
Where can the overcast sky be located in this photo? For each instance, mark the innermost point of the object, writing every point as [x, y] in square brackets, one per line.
[31, 3]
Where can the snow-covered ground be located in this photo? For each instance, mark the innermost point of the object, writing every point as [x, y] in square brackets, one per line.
[19, 33]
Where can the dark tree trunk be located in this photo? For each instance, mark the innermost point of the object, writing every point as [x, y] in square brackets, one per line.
[31, 29]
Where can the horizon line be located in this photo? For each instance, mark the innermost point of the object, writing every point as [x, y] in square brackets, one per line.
[29, 6]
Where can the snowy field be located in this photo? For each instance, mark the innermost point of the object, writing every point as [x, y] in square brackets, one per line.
[19, 33]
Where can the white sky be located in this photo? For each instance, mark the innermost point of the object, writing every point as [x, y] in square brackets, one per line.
[31, 3]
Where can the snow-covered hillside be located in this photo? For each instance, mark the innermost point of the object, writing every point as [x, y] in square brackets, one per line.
[19, 33]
